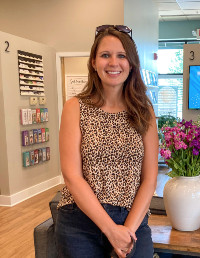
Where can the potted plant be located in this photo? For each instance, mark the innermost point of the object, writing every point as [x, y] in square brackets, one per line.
[180, 148]
[165, 120]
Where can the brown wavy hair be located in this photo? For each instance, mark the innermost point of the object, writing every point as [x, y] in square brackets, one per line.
[134, 90]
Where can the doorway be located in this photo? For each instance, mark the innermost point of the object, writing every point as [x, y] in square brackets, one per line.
[69, 64]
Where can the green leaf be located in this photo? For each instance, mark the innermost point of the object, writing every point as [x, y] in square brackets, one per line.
[172, 173]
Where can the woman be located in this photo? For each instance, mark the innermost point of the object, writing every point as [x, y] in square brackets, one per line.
[108, 151]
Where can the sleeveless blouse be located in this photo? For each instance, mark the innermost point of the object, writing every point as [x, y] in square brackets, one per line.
[112, 153]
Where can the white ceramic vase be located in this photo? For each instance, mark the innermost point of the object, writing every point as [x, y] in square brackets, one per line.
[182, 202]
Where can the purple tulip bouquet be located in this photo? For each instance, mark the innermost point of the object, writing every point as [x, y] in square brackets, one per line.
[180, 148]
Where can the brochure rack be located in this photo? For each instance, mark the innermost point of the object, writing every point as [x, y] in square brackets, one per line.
[34, 136]
[31, 74]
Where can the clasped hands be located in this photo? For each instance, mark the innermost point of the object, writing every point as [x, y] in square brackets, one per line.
[123, 241]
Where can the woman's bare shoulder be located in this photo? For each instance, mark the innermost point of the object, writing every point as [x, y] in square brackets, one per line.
[71, 106]
[72, 103]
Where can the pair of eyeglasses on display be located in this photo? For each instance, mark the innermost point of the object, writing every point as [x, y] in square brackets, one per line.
[121, 28]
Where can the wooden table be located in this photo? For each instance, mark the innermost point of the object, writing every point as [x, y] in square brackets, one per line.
[169, 240]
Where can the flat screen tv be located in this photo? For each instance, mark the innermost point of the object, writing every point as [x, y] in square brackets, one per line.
[194, 87]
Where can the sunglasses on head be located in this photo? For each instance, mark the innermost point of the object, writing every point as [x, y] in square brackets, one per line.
[121, 28]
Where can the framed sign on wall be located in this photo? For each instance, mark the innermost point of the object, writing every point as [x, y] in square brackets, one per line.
[74, 84]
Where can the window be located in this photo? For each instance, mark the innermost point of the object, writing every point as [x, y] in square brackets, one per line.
[170, 61]
[170, 77]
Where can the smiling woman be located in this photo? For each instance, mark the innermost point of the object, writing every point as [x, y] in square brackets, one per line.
[109, 156]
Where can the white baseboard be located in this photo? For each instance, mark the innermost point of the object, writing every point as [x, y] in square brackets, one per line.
[62, 180]
[29, 192]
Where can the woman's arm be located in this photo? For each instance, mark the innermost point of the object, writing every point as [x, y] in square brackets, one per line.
[148, 177]
[71, 166]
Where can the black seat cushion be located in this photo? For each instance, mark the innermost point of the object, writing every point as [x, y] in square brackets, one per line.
[53, 206]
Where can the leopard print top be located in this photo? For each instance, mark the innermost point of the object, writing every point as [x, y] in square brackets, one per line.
[112, 153]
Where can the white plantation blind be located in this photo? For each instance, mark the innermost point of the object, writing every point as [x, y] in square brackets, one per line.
[167, 101]
[170, 95]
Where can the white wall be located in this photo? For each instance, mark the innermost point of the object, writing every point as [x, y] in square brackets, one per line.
[14, 177]
[142, 17]
[76, 65]
[66, 25]
[4, 181]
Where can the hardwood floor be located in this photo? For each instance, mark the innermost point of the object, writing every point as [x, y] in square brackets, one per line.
[17, 224]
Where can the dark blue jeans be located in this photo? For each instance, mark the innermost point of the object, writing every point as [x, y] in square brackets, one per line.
[78, 237]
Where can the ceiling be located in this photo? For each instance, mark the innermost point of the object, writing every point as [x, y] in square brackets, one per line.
[178, 10]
